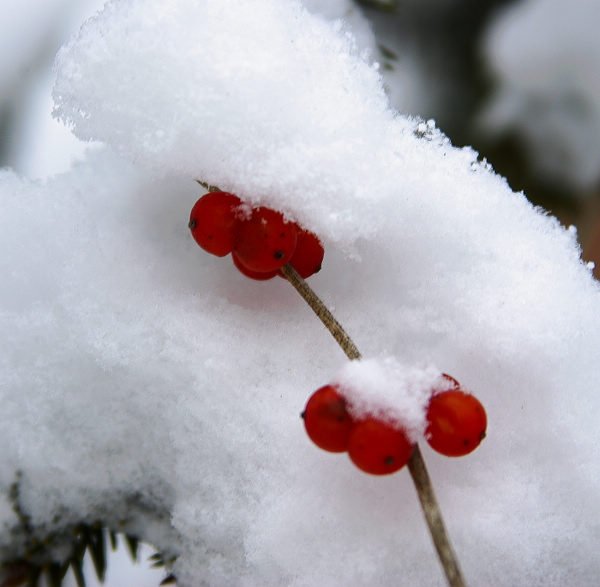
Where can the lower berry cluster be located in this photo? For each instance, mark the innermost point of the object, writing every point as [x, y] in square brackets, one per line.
[456, 425]
[260, 240]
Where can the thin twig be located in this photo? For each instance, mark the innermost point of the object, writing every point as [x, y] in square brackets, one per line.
[416, 464]
[433, 516]
[321, 310]
[208, 187]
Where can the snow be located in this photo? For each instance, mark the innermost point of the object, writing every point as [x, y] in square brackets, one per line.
[388, 389]
[544, 56]
[134, 364]
[253, 102]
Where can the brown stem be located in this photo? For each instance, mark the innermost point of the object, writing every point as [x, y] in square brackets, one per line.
[416, 464]
[433, 516]
[208, 187]
[322, 312]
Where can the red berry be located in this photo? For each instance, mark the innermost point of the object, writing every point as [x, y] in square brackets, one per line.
[265, 241]
[309, 253]
[456, 423]
[213, 222]
[378, 448]
[326, 419]
[258, 275]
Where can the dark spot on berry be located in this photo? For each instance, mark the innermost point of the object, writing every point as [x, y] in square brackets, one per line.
[466, 442]
[302, 414]
[278, 254]
[282, 235]
[482, 435]
[192, 224]
[389, 461]
[317, 269]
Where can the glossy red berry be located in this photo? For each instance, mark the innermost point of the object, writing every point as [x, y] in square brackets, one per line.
[378, 448]
[456, 423]
[213, 222]
[258, 275]
[265, 241]
[309, 253]
[326, 419]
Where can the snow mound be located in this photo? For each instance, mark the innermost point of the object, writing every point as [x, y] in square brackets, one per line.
[133, 363]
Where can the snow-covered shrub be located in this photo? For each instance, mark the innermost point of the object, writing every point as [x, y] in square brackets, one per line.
[151, 386]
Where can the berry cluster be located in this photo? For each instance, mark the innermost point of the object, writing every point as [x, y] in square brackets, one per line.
[260, 240]
[456, 425]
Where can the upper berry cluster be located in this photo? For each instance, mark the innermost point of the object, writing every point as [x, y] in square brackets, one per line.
[260, 240]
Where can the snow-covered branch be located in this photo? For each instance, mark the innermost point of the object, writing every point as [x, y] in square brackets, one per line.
[133, 364]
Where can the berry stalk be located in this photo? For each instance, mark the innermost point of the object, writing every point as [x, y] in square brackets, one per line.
[322, 312]
[416, 464]
[433, 516]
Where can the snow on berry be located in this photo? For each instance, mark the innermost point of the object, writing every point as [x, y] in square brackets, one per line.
[390, 390]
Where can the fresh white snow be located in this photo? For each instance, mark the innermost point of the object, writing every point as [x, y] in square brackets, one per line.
[133, 363]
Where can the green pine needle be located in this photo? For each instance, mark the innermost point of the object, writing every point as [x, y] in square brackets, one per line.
[132, 544]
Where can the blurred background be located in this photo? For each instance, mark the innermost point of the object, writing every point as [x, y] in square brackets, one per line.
[518, 80]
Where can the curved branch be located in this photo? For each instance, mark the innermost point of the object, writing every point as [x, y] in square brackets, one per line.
[416, 464]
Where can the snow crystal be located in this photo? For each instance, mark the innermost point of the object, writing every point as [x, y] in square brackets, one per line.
[134, 364]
